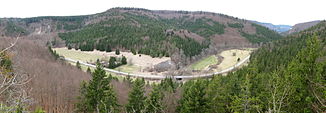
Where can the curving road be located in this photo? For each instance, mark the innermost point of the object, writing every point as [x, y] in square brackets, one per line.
[163, 76]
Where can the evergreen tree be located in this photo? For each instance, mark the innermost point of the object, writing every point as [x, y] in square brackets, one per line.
[302, 71]
[123, 60]
[69, 47]
[117, 52]
[168, 85]
[133, 51]
[217, 94]
[89, 70]
[245, 103]
[78, 65]
[108, 48]
[154, 101]
[136, 98]
[193, 99]
[112, 62]
[97, 95]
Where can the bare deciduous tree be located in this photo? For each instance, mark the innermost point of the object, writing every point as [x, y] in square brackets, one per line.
[13, 94]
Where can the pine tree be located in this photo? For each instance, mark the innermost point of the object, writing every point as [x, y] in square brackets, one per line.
[78, 65]
[154, 101]
[193, 99]
[112, 63]
[117, 52]
[123, 60]
[89, 70]
[97, 95]
[244, 102]
[136, 98]
[301, 72]
[217, 94]
[69, 47]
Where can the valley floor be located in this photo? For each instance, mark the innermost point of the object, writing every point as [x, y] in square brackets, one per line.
[137, 64]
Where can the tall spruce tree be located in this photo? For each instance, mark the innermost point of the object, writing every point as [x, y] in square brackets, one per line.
[193, 98]
[301, 72]
[244, 102]
[136, 100]
[154, 101]
[97, 95]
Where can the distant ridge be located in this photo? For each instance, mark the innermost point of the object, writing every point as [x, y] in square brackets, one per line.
[277, 28]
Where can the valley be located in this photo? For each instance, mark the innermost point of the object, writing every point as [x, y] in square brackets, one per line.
[136, 66]
[135, 60]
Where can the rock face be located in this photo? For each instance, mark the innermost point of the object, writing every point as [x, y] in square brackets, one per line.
[302, 26]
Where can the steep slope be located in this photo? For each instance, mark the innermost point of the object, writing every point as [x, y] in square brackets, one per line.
[302, 26]
[287, 75]
[53, 85]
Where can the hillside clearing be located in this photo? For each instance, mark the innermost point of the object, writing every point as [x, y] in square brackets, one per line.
[230, 57]
[204, 63]
[135, 62]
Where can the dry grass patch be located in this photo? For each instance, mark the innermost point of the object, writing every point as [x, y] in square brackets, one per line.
[230, 57]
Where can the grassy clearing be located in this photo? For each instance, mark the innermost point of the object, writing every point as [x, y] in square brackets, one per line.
[128, 68]
[231, 57]
[89, 57]
[78, 55]
[202, 64]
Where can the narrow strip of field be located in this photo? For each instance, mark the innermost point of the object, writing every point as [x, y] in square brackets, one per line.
[204, 63]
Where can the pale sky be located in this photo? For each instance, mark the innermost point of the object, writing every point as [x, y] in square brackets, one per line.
[287, 12]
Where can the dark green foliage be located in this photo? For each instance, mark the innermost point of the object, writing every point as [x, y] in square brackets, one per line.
[89, 70]
[108, 48]
[112, 63]
[193, 99]
[189, 46]
[78, 65]
[283, 76]
[97, 95]
[202, 26]
[168, 85]
[245, 102]
[89, 46]
[133, 51]
[235, 25]
[123, 60]
[5, 61]
[117, 52]
[263, 34]
[69, 47]
[54, 53]
[136, 98]
[154, 101]
[116, 62]
[122, 33]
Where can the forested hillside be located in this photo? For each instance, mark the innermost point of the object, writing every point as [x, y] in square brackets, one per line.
[285, 76]
[155, 33]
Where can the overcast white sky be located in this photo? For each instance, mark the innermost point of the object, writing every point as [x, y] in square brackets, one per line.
[287, 12]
